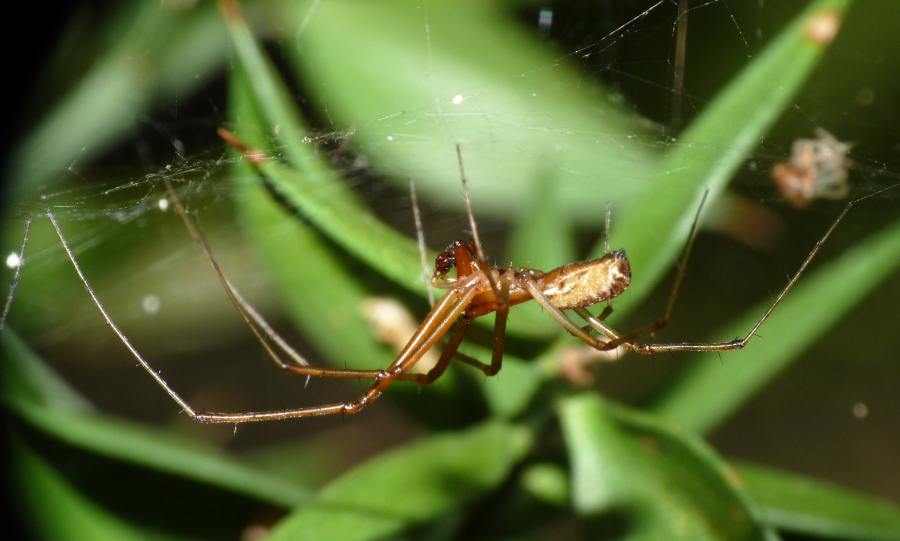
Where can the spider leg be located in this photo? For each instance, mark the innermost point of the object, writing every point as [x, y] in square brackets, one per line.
[451, 349]
[440, 319]
[171, 392]
[502, 314]
[598, 323]
[586, 315]
[451, 306]
[420, 235]
[261, 329]
[435, 325]
[582, 333]
[478, 260]
[741, 342]
[679, 278]
[616, 339]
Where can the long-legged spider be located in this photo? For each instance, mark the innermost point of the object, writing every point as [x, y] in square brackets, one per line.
[477, 290]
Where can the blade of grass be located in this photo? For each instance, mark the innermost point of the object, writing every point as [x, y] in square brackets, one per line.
[810, 507]
[58, 510]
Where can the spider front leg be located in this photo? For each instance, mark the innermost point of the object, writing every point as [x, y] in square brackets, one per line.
[493, 295]
[463, 324]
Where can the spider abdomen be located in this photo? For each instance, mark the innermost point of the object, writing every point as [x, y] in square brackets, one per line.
[578, 285]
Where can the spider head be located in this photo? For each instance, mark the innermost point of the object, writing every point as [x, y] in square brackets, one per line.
[460, 254]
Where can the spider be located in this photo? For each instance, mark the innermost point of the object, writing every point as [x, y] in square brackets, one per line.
[476, 290]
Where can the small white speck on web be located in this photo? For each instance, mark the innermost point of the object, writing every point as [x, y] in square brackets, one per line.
[163, 204]
[151, 304]
[860, 410]
[458, 99]
[13, 261]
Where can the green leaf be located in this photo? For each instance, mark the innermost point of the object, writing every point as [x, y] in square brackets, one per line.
[799, 504]
[547, 482]
[659, 482]
[520, 113]
[415, 484]
[58, 509]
